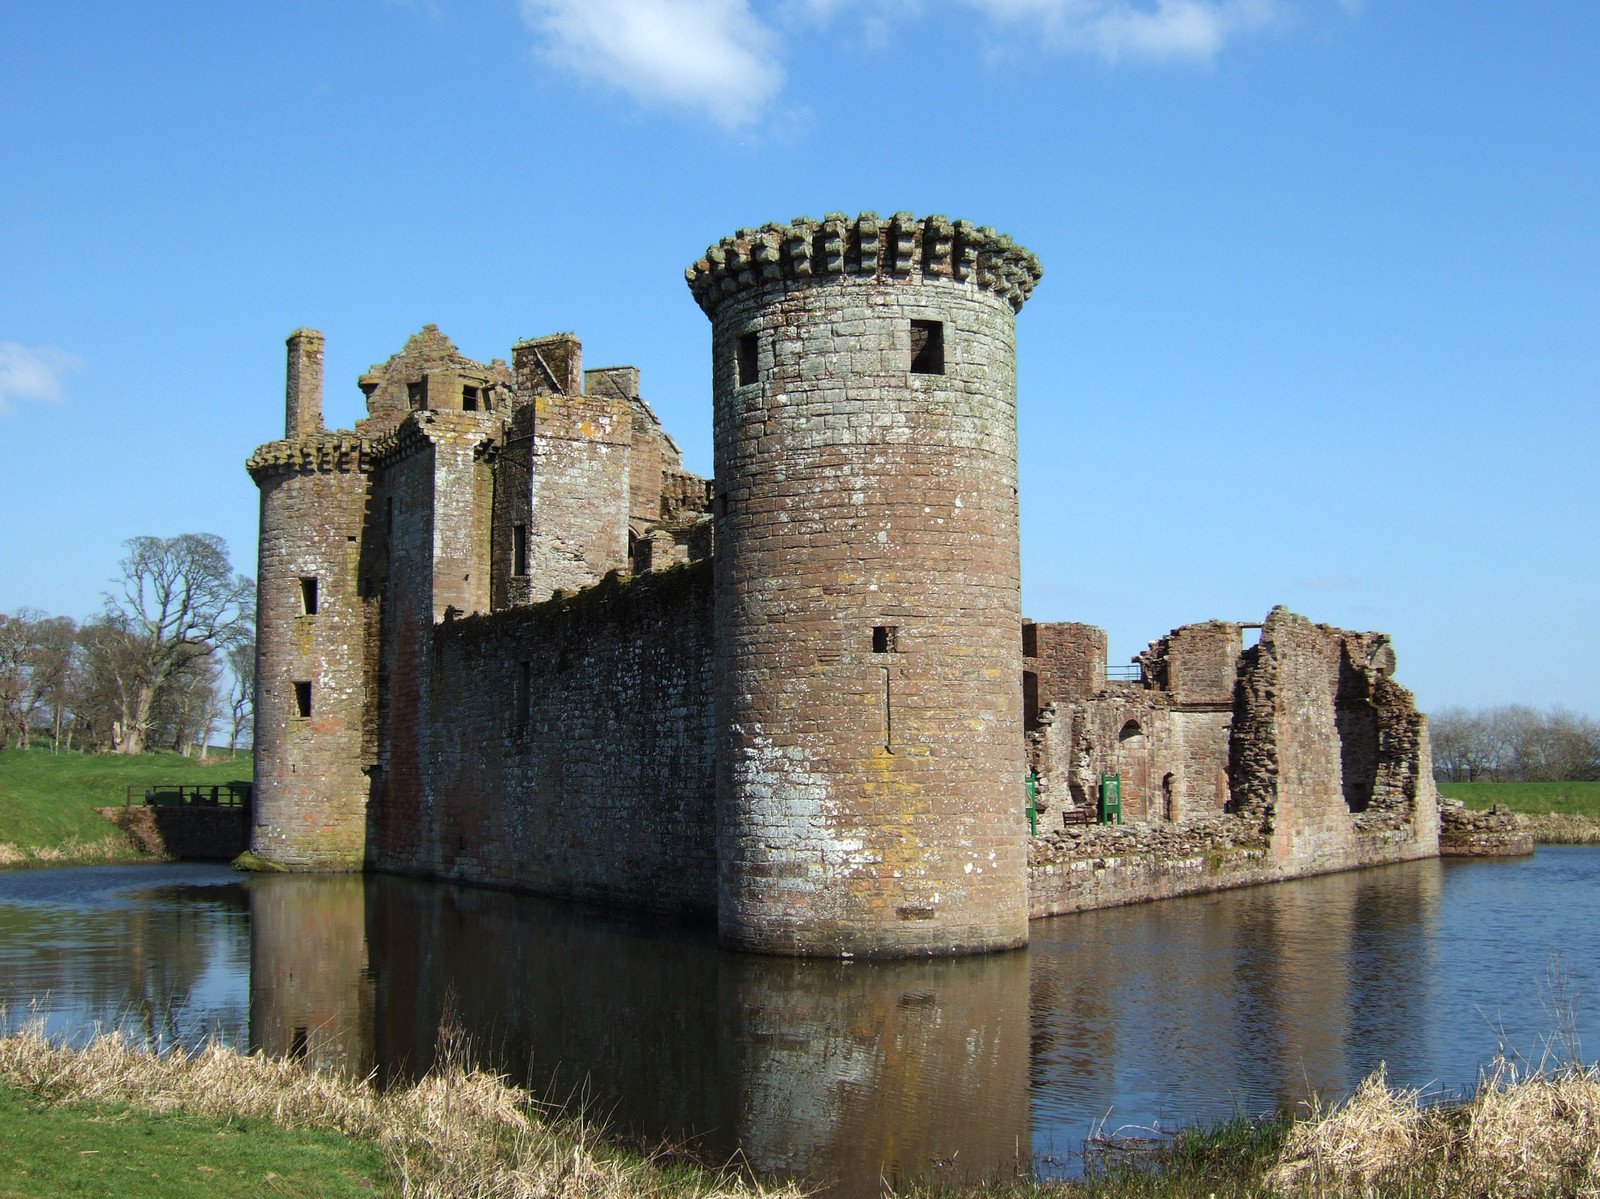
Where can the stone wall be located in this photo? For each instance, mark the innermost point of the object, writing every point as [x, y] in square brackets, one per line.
[189, 833]
[1496, 833]
[568, 749]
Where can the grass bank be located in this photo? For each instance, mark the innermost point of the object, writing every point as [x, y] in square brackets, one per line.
[48, 801]
[1555, 813]
[218, 1123]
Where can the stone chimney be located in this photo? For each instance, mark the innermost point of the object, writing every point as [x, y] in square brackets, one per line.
[303, 396]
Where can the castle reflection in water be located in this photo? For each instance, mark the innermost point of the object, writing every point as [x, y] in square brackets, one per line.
[1162, 1014]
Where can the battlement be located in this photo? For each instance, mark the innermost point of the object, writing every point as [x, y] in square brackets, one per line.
[314, 453]
[901, 245]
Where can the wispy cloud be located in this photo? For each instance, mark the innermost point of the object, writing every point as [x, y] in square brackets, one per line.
[720, 57]
[712, 55]
[1122, 29]
[33, 373]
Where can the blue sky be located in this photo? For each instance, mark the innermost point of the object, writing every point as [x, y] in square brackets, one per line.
[1320, 321]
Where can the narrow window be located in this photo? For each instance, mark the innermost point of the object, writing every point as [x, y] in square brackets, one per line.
[302, 699]
[308, 597]
[417, 394]
[469, 399]
[519, 550]
[883, 639]
[1030, 640]
[747, 359]
[927, 347]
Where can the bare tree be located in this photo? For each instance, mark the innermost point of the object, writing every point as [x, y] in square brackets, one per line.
[1516, 743]
[55, 652]
[178, 598]
[242, 692]
[15, 640]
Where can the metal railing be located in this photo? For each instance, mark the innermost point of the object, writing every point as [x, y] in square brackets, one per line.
[1132, 673]
[191, 795]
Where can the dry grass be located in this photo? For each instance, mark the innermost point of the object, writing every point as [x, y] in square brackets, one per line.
[1517, 1138]
[106, 850]
[1556, 828]
[460, 1133]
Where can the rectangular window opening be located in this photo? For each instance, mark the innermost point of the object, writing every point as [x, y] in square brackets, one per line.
[308, 596]
[883, 639]
[519, 550]
[1030, 640]
[749, 366]
[417, 394]
[927, 347]
[469, 399]
[302, 699]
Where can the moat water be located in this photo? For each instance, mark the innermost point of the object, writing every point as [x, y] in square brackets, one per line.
[1133, 1021]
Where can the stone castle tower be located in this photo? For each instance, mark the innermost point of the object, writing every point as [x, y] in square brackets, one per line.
[868, 604]
[312, 633]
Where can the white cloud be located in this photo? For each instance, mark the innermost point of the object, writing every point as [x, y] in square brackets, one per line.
[711, 55]
[33, 373]
[1119, 29]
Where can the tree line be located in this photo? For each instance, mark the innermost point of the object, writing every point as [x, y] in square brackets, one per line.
[168, 662]
[1514, 744]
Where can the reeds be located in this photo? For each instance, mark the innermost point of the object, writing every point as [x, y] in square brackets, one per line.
[73, 852]
[1520, 1136]
[459, 1133]
[1561, 828]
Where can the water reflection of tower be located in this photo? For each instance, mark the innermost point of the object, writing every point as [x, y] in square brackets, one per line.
[310, 991]
[816, 1068]
[895, 1070]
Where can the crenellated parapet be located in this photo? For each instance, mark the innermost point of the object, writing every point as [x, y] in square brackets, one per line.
[317, 453]
[902, 245]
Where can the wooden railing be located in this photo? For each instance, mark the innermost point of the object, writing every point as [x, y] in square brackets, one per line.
[192, 795]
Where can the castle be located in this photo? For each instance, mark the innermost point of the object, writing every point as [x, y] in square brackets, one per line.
[504, 637]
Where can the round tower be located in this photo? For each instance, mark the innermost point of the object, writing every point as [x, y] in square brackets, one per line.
[311, 707]
[870, 762]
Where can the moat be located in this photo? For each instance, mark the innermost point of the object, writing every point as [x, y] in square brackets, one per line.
[1131, 1019]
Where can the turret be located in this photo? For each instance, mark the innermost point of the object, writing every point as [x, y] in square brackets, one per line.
[314, 708]
[870, 769]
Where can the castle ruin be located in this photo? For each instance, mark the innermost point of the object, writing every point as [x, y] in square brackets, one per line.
[505, 638]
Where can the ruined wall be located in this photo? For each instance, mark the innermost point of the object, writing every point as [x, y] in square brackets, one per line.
[870, 776]
[1067, 662]
[429, 374]
[568, 749]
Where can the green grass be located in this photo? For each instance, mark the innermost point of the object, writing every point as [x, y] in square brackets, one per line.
[52, 1151]
[48, 801]
[1219, 1162]
[1534, 799]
